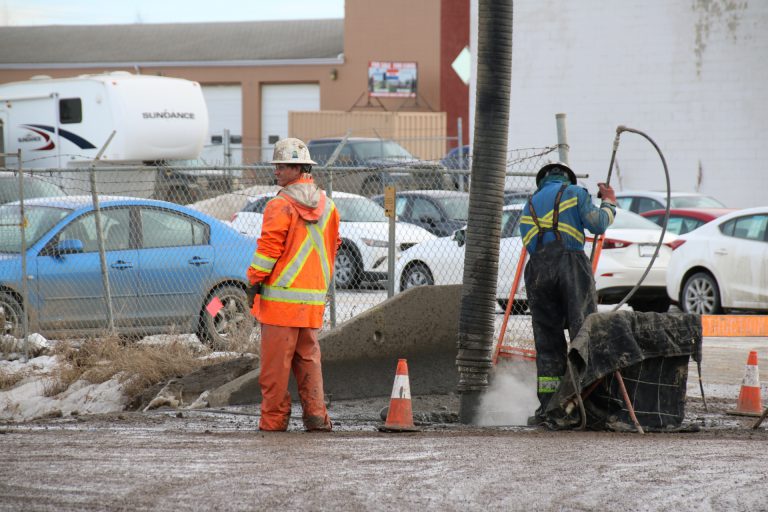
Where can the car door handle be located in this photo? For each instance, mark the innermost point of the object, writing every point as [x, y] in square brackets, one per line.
[197, 261]
[721, 252]
[121, 265]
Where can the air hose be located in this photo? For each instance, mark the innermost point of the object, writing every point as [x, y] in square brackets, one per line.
[599, 241]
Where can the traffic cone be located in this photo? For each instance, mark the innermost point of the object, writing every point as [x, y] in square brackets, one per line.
[749, 396]
[400, 414]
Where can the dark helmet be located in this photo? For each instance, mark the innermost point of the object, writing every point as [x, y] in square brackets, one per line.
[555, 168]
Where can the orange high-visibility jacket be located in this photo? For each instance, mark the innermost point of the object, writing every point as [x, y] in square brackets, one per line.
[295, 255]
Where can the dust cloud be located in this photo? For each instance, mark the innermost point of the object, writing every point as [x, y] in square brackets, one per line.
[511, 396]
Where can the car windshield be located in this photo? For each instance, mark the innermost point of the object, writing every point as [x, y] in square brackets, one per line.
[359, 209]
[40, 219]
[630, 220]
[695, 202]
[509, 223]
[455, 207]
[376, 149]
[9, 189]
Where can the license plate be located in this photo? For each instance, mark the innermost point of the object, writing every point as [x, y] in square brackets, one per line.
[646, 250]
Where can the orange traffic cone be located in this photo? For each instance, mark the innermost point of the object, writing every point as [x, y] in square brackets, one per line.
[400, 414]
[749, 396]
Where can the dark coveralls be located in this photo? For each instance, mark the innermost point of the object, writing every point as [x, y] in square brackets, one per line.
[558, 276]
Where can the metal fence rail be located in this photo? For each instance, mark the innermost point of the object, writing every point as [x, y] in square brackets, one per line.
[167, 270]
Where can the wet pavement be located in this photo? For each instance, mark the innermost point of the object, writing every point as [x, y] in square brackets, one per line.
[218, 460]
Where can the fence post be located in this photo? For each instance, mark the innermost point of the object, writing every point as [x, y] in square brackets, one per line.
[24, 284]
[100, 238]
[227, 159]
[460, 138]
[562, 139]
[389, 200]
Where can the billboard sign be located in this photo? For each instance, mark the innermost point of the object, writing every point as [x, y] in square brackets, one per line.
[392, 79]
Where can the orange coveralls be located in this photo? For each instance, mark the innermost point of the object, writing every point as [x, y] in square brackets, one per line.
[294, 264]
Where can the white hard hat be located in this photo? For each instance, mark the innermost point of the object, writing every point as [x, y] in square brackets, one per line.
[555, 166]
[291, 151]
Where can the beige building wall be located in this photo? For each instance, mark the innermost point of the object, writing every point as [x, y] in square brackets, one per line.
[421, 133]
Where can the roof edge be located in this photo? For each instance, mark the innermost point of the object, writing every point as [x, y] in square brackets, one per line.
[327, 61]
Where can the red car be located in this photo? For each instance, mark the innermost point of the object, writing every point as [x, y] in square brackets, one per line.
[684, 220]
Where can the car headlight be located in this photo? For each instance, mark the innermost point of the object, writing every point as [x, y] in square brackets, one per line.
[372, 242]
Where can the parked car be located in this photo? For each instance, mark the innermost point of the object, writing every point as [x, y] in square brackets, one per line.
[371, 164]
[34, 186]
[723, 265]
[441, 212]
[628, 247]
[166, 263]
[684, 220]
[640, 201]
[441, 261]
[517, 196]
[364, 231]
[457, 158]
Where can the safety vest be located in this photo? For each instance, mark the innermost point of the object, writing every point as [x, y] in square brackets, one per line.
[296, 255]
[575, 214]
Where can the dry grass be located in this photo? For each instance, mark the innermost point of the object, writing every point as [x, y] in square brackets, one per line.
[137, 366]
[9, 378]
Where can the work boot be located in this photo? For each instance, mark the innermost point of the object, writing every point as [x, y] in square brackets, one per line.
[317, 424]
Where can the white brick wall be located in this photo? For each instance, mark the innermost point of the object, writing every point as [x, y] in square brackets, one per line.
[692, 74]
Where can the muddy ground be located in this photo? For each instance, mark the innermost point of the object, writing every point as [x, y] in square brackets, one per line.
[217, 460]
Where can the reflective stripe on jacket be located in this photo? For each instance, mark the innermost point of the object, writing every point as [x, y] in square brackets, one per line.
[576, 213]
[294, 260]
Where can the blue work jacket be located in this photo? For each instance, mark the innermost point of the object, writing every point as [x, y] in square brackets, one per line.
[577, 212]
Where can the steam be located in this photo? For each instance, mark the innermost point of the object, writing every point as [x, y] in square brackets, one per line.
[511, 397]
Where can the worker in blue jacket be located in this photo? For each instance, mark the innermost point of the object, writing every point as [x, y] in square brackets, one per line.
[558, 276]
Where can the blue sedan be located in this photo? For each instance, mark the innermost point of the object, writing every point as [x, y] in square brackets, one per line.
[171, 270]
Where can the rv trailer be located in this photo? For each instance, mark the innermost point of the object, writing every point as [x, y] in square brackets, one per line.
[63, 123]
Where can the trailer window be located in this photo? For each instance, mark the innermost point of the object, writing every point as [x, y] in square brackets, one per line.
[70, 111]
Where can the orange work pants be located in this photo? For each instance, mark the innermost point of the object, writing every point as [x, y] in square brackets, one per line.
[284, 349]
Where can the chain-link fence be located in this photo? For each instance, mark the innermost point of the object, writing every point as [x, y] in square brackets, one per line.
[108, 257]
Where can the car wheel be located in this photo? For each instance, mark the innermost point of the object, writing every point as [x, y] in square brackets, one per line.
[660, 305]
[233, 321]
[348, 270]
[701, 295]
[372, 186]
[519, 307]
[10, 316]
[417, 274]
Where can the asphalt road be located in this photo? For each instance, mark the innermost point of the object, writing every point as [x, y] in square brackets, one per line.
[218, 460]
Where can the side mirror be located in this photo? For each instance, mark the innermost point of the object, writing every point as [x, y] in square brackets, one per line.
[460, 236]
[69, 247]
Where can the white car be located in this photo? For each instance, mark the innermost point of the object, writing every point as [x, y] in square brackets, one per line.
[640, 201]
[627, 250]
[364, 231]
[628, 246]
[722, 265]
[441, 261]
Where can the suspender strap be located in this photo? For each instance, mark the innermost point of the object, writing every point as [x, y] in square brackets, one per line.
[555, 215]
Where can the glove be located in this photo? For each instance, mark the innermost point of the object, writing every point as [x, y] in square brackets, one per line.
[251, 292]
[606, 193]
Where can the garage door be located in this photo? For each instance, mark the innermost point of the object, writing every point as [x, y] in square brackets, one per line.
[225, 111]
[276, 101]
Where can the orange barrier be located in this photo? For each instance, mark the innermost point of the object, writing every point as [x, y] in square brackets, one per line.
[400, 414]
[734, 325]
[749, 402]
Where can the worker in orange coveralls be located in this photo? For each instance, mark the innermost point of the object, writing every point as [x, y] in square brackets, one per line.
[290, 274]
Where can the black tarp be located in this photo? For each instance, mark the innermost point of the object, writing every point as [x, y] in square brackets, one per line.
[651, 350]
